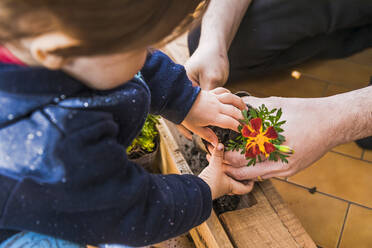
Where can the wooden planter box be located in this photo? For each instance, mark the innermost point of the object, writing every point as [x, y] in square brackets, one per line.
[266, 223]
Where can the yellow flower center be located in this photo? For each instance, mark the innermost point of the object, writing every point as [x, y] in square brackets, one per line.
[260, 140]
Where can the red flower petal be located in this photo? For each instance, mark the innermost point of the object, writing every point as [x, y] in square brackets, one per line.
[252, 151]
[246, 132]
[269, 148]
[271, 133]
[256, 124]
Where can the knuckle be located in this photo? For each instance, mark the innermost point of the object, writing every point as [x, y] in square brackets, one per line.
[239, 175]
[285, 167]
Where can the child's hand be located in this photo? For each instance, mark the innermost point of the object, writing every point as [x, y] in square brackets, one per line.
[220, 183]
[217, 107]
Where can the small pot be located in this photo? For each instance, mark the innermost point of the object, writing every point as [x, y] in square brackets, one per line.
[147, 161]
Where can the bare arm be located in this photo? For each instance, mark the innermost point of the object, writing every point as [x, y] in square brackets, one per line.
[221, 21]
[209, 65]
[354, 114]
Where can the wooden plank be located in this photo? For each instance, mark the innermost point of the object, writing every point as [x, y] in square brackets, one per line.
[290, 221]
[211, 233]
[258, 226]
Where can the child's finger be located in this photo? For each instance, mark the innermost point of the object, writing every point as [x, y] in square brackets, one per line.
[210, 148]
[228, 98]
[206, 134]
[224, 162]
[217, 155]
[227, 122]
[239, 188]
[208, 157]
[219, 91]
[231, 111]
[184, 131]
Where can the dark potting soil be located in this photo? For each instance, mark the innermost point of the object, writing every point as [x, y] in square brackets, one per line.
[197, 162]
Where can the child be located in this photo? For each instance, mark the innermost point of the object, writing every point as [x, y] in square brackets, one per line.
[71, 105]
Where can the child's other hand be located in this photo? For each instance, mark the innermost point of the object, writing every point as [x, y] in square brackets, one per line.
[219, 182]
[217, 107]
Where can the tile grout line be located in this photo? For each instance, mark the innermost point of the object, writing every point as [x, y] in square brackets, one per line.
[317, 77]
[349, 156]
[343, 226]
[313, 77]
[322, 193]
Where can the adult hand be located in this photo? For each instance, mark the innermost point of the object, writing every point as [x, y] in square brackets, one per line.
[208, 67]
[309, 131]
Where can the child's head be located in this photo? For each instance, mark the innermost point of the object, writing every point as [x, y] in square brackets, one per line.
[96, 37]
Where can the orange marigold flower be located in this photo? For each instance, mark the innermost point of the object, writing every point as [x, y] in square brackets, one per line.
[258, 141]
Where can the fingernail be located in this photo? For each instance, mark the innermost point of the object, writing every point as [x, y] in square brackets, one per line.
[220, 147]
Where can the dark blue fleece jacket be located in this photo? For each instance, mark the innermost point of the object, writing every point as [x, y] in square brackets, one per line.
[63, 167]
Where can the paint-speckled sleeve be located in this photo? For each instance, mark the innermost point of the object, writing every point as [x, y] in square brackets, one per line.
[172, 93]
[102, 197]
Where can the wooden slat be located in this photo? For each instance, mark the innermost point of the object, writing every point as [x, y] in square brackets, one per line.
[286, 215]
[210, 234]
[258, 226]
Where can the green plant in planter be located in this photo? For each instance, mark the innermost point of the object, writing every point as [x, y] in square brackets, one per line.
[146, 140]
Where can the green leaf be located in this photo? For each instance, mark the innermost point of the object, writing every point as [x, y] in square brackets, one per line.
[240, 128]
[281, 137]
[285, 160]
[145, 141]
[250, 162]
[272, 111]
[253, 113]
[279, 130]
[245, 114]
[279, 114]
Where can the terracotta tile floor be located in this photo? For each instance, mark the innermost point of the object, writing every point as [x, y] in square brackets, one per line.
[339, 214]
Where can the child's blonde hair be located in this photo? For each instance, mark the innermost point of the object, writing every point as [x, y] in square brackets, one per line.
[101, 26]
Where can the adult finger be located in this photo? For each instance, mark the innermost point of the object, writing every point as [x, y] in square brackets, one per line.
[285, 173]
[239, 188]
[235, 159]
[184, 131]
[253, 101]
[220, 90]
[232, 99]
[252, 172]
[194, 79]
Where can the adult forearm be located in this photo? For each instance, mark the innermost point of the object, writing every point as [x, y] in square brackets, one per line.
[353, 114]
[221, 22]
